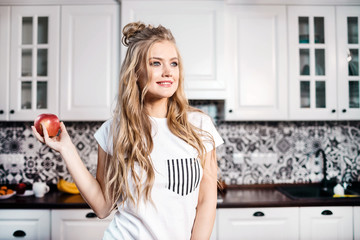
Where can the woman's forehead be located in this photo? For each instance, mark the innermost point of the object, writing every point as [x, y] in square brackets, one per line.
[163, 50]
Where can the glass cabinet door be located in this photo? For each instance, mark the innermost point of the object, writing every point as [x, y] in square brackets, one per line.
[312, 78]
[348, 70]
[312, 62]
[34, 79]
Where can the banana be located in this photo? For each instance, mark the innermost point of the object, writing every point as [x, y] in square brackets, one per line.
[67, 187]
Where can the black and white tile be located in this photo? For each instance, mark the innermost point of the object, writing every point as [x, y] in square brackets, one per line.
[24, 159]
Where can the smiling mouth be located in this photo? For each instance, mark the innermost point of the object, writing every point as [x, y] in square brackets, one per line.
[165, 83]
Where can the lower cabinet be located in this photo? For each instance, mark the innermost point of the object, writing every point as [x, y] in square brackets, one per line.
[24, 224]
[326, 223]
[77, 224]
[356, 224]
[304, 223]
[258, 223]
[69, 224]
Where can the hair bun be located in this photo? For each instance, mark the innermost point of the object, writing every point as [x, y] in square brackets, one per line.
[130, 30]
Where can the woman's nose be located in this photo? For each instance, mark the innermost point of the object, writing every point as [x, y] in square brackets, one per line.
[167, 71]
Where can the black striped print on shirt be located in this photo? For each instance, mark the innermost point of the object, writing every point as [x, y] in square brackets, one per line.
[183, 175]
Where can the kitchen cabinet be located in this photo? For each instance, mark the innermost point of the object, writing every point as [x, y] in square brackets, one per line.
[29, 76]
[323, 63]
[326, 223]
[89, 61]
[78, 84]
[348, 20]
[198, 27]
[258, 223]
[356, 223]
[74, 224]
[256, 68]
[26, 224]
[4, 61]
[213, 235]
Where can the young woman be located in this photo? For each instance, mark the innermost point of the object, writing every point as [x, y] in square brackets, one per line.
[156, 156]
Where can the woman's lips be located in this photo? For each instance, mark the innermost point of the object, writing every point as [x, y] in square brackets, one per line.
[165, 83]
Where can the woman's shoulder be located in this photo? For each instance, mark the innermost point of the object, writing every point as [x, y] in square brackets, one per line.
[198, 118]
[107, 123]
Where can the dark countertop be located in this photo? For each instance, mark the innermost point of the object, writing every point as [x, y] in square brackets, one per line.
[250, 196]
[268, 196]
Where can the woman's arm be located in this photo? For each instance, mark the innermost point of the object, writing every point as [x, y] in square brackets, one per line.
[89, 187]
[206, 208]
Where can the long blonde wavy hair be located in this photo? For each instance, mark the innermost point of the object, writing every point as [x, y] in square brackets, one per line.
[131, 127]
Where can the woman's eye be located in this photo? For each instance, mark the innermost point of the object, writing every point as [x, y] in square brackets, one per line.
[174, 64]
[155, 64]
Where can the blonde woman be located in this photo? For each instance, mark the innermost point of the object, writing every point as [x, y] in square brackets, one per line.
[156, 156]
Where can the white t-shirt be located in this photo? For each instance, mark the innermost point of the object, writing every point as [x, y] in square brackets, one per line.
[176, 187]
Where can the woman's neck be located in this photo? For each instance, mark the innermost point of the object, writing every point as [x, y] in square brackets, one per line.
[157, 109]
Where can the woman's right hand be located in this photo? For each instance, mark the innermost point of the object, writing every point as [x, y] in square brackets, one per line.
[58, 143]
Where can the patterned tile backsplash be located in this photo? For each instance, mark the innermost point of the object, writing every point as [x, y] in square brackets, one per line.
[253, 153]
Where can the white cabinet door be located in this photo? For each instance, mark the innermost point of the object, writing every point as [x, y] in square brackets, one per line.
[4, 61]
[262, 223]
[25, 224]
[312, 63]
[34, 61]
[256, 66]
[348, 21]
[214, 231]
[328, 223]
[198, 29]
[356, 224]
[89, 61]
[74, 224]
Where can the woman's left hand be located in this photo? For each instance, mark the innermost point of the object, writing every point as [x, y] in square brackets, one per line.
[58, 143]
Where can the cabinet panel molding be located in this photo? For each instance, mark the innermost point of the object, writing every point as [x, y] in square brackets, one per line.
[257, 63]
[88, 62]
[198, 29]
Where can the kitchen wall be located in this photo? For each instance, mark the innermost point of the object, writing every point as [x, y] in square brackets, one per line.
[270, 152]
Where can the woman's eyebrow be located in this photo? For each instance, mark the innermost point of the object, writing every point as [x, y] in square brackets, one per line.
[159, 58]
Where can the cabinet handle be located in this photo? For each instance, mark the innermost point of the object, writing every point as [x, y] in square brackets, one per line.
[333, 111]
[91, 215]
[19, 233]
[326, 212]
[230, 110]
[258, 214]
[12, 111]
[344, 110]
[1, 111]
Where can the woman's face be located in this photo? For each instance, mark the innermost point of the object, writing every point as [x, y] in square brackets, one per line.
[163, 72]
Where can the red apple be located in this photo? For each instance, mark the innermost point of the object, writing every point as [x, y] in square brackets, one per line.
[20, 188]
[51, 122]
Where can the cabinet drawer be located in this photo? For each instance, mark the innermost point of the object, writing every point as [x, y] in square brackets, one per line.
[275, 223]
[78, 224]
[25, 224]
[326, 223]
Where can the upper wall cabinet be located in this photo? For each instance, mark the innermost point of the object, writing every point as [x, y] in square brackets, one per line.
[86, 60]
[256, 63]
[348, 20]
[89, 61]
[323, 50]
[312, 60]
[30, 80]
[4, 61]
[198, 29]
